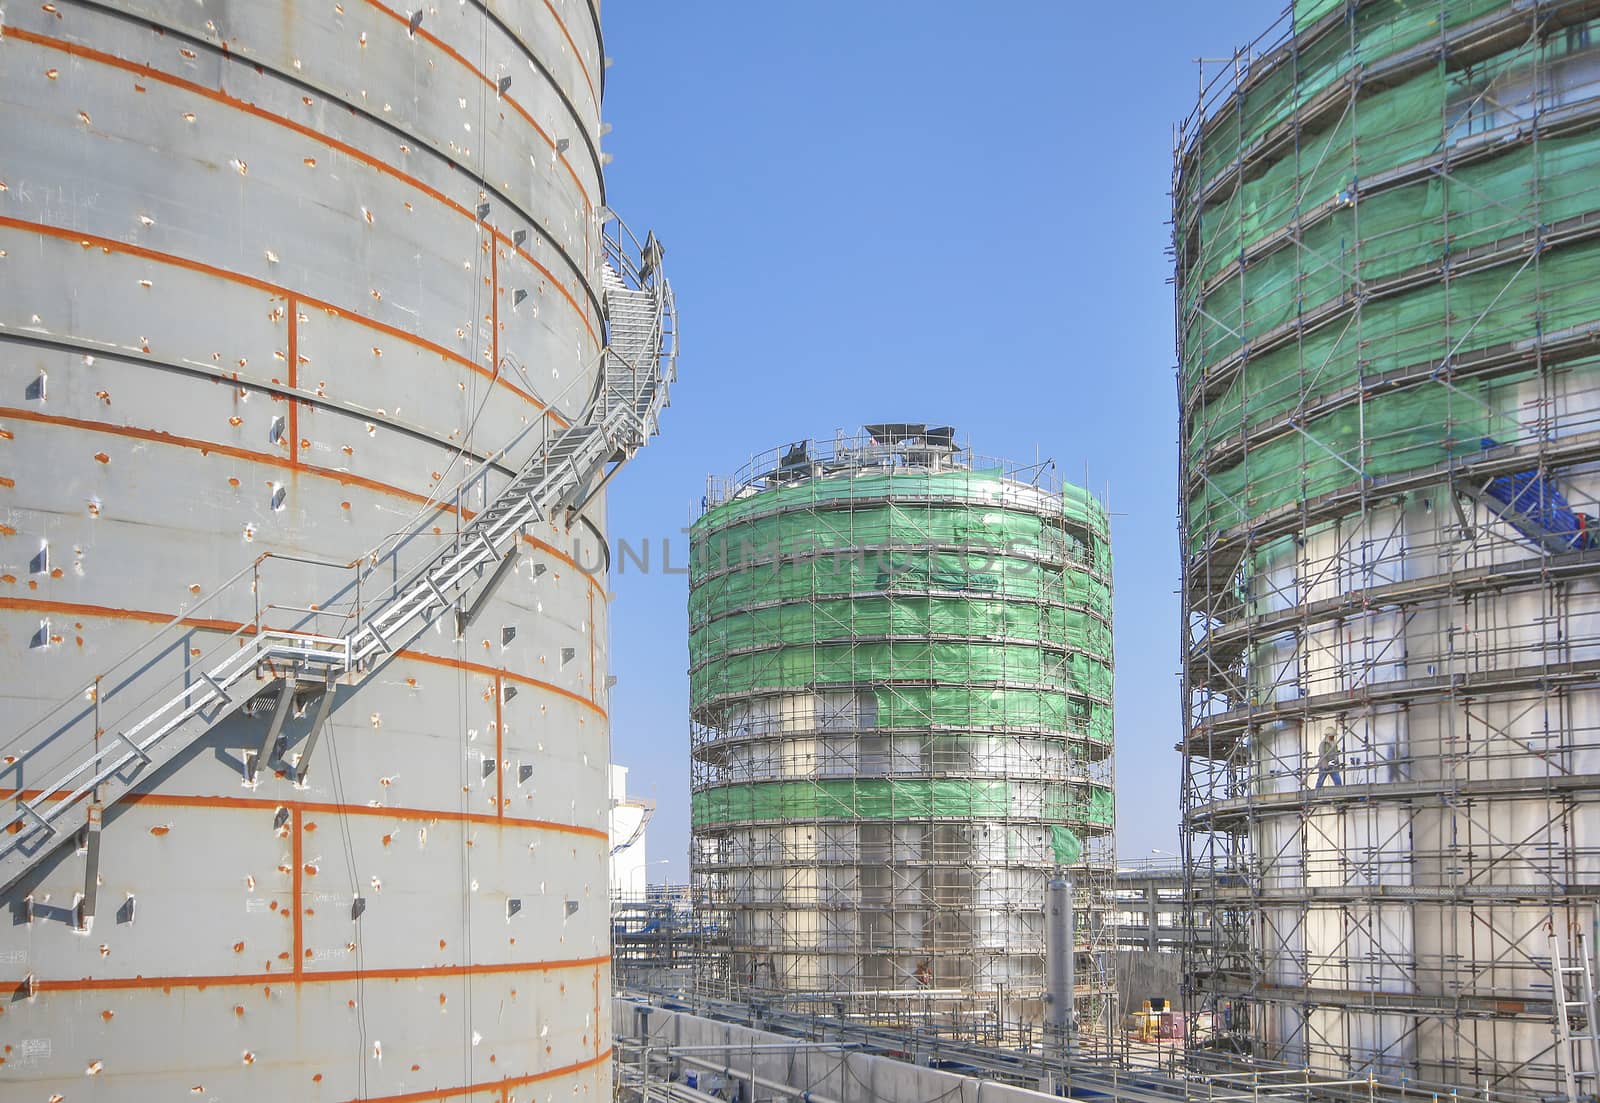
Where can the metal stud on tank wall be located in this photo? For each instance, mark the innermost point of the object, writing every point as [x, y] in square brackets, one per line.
[318, 344]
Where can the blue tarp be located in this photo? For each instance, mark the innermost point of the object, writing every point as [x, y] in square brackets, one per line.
[1531, 503]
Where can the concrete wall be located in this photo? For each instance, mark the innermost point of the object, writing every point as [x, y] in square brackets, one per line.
[822, 1075]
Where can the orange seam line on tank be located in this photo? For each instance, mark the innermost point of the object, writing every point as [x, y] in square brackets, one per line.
[74, 608]
[70, 608]
[159, 436]
[479, 668]
[157, 75]
[115, 246]
[297, 849]
[450, 52]
[294, 382]
[344, 478]
[312, 976]
[499, 746]
[503, 1085]
[556, 553]
[378, 811]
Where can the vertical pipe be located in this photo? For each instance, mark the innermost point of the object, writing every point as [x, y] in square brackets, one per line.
[1058, 918]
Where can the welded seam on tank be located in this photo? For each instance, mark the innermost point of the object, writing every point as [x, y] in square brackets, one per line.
[1539, 677]
[538, 63]
[426, 1095]
[297, 885]
[111, 245]
[267, 459]
[67, 608]
[454, 55]
[292, 314]
[377, 120]
[372, 811]
[311, 976]
[1516, 577]
[277, 390]
[344, 478]
[500, 744]
[1293, 802]
[355, 153]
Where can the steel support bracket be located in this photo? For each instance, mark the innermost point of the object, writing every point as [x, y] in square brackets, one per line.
[91, 867]
[465, 617]
[324, 703]
[279, 715]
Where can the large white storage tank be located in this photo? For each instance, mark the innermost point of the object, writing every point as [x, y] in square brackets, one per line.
[275, 278]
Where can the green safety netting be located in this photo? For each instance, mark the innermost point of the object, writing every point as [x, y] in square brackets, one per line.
[1368, 36]
[800, 624]
[965, 707]
[1382, 249]
[819, 665]
[1065, 846]
[1307, 12]
[988, 487]
[771, 572]
[900, 799]
[898, 570]
[844, 512]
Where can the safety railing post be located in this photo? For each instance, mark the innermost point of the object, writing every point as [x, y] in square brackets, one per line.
[98, 731]
[357, 631]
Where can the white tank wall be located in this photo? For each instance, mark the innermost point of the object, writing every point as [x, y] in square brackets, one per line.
[222, 221]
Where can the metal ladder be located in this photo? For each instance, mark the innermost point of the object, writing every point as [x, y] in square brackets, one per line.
[1578, 1053]
[639, 363]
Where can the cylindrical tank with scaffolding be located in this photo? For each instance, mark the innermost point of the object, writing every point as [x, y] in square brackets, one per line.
[901, 726]
[1390, 426]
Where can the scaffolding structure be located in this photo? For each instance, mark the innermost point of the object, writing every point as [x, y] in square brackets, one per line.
[1387, 234]
[901, 729]
[654, 942]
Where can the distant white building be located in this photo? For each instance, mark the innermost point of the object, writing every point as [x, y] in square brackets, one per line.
[629, 818]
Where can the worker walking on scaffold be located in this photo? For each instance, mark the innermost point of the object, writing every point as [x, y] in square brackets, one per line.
[1328, 759]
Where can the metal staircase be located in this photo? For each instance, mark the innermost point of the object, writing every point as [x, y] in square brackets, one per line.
[564, 472]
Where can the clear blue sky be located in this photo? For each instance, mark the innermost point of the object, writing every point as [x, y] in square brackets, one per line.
[941, 212]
